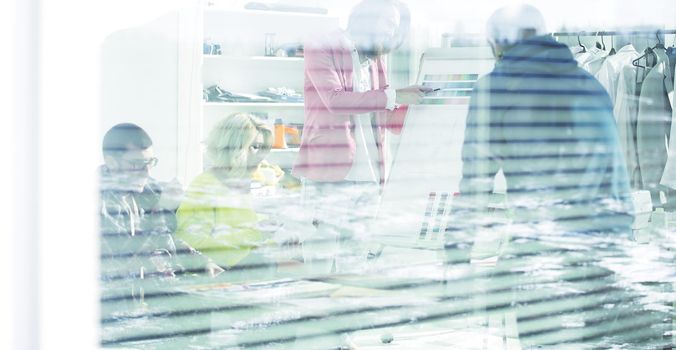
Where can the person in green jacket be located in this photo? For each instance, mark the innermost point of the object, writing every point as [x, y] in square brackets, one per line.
[216, 216]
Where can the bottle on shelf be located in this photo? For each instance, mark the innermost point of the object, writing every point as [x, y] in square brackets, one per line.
[280, 134]
[269, 44]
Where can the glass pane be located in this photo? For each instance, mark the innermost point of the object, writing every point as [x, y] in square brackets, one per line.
[380, 174]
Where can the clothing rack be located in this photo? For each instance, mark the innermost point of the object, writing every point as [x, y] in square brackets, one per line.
[615, 33]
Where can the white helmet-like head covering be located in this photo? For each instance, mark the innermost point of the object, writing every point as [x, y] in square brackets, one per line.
[511, 24]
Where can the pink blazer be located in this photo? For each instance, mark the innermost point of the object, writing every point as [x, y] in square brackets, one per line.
[328, 145]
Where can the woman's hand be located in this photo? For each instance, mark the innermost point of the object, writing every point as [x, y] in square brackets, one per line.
[213, 269]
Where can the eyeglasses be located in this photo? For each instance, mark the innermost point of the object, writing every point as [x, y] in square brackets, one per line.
[259, 147]
[140, 164]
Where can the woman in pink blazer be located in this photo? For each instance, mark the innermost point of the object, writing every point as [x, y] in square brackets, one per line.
[349, 108]
[328, 145]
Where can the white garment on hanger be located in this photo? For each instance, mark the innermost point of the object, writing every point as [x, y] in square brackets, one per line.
[626, 114]
[662, 57]
[594, 63]
[609, 74]
[653, 118]
[669, 175]
[583, 57]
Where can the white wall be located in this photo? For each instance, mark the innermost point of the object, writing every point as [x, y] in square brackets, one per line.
[573, 14]
[7, 36]
[581, 14]
[66, 249]
[19, 268]
[137, 42]
[139, 84]
[50, 142]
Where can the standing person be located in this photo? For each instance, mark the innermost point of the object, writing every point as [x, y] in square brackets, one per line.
[217, 217]
[349, 109]
[549, 126]
[137, 215]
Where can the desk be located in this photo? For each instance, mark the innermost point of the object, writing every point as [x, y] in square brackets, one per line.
[290, 314]
[408, 301]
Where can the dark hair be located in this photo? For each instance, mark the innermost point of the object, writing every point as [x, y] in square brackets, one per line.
[125, 137]
[363, 12]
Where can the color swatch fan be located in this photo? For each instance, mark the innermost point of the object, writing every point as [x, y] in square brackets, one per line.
[427, 166]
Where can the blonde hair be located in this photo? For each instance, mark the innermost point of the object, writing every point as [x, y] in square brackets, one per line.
[228, 142]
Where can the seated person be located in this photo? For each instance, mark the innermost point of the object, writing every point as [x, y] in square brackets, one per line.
[216, 216]
[137, 219]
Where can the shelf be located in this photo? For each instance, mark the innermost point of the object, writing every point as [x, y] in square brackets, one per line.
[254, 104]
[285, 150]
[253, 58]
[220, 9]
[280, 59]
[448, 81]
[283, 157]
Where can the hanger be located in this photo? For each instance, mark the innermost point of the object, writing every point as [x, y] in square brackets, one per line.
[612, 43]
[650, 59]
[584, 49]
[637, 62]
[598, 44]
[659, 44]
[649, 54]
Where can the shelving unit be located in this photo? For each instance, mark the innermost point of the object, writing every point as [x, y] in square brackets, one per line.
[254, 58]
[243, 68]
[264, 13]
[267, 105]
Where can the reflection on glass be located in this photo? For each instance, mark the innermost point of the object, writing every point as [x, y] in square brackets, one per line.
[519, 196]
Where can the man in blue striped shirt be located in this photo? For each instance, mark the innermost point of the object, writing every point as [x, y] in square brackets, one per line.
[549, 126]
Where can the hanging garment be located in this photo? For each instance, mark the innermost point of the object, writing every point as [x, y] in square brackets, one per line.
[662, 56]
[626, 114]
[669, 175]
[595, 62]
[654, 125]
[609, 73]
[583, 57]
[671, 53]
